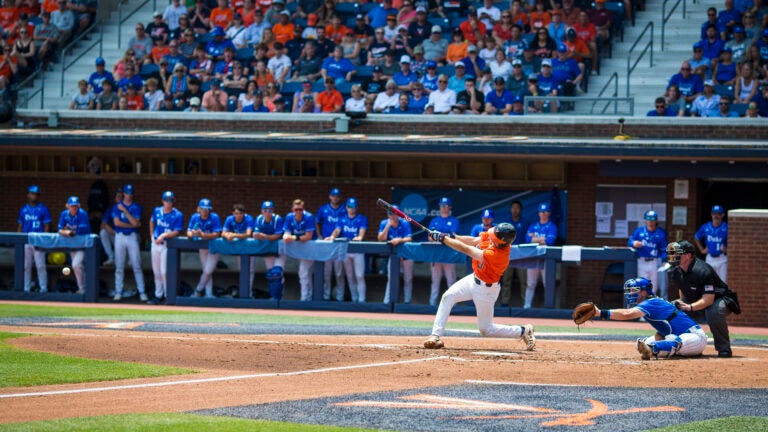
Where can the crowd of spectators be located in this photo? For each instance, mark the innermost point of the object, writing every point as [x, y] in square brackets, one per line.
[444, 56]
[727, 75]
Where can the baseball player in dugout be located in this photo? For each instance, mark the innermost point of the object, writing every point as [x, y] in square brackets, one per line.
[239, 226]
[34, 217]
[702, 293]
[127, 219]
[650, 241]
[299, 226]
[166, 222]
[449, 225]
[326, 220]
[676, 332]
[205, 225]
[521, 225]
[395, 230]
[543, 232]
[712, 240]
[74, 221]
[490, 255]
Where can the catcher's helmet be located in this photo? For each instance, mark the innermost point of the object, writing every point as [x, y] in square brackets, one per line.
[676, 249]
[632, 288]
[506, 232]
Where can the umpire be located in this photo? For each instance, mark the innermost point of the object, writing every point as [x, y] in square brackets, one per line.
[702, 293]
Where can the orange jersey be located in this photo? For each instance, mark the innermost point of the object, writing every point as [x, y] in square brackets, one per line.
[336, 33]
[221, 17]
[540, 19]
[158, 53]
[495, 260]
[456, 51]
[135, 102]
[283, 33]
[329, 101]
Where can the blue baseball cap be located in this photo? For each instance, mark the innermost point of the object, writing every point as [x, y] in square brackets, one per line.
[335, 191]
[517, 99]
[718, 209]
[169, 196]
[697, 45]
[128, 189]
[738, 29]
[35, 189]
[487, 214]
[544, 207]
[562, 48]
[217, 31]
[73, 201]
[268, 205]
[651, 215]
[100, 61]
[430, 64]
[352, 203]
[445, 201]
[765, 32]
[205, 204]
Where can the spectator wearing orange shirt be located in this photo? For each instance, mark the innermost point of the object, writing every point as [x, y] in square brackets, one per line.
[50, 5]
[539, 17]
[134, 100]
[160, 50]
[221, 16]
[29, 7]
[457, 49]
[248, 12]
[577, 48]
[283, 30]
[9, 14]
[518, 14]
[473, 29]
[329, 100]
[335, 31]
[587, 32]
[570, 13]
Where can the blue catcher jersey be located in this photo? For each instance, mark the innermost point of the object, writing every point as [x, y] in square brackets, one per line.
[654, 242]
[210, 225]
[547, 230]
[78, 222]
[274, 226]
[135, 211]
[33, 219]
[714, 237]
[657, 313]
[166, 222]
[328, 218]
[299, 228]
[350, 227]
[445, 224]
[403, 229]
[231, 225]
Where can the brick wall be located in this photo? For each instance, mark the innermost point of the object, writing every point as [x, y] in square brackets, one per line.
[747, 264]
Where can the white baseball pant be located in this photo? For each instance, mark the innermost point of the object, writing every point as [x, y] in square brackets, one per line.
[305, 279]
[650, 270]
[532, 279]
[208, 263]
[354, 264]
[128, 244]
[406, 267]
[107, 240]
[78, 266]
[719, 264]
[438, 269]
[159, 268]
[484, 298]
[337, 268]
[693, 342]
[38, 256]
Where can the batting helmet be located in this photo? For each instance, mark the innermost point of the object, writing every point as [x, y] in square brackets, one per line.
[205, 204]
[57, 258]
[651, 215]
[632, 289]
[169, 196]
[506, 232]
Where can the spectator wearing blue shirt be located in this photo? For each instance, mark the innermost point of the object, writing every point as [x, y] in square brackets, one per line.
[402, 105]
[328, 216]
[742, 6]
[712, 240]
[521, 225]
[499, 100]
[456, 82]
[99, 76]
[761, 99]
[300, 227]
[419, 98]
[474, 65]
[712, 20]
[396, 231]
[690, 85]
[556, 28]
[661, 110]
[129, 78]
[567, 71]
[650, 242]
[405, 77]
[701, 65]
[215, 48]
[34, 217]
[377, 17]
[447, 224]
[547, 85]
[175, 56]
[724, 108]
[543, 232]
[729, 16]
[429, 80]
[258, 104]
[74, 222]
[352, 226]
[712, 44]
[338, 67]
[205, 225]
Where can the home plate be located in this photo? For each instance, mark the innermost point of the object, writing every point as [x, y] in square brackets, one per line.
[494, 353]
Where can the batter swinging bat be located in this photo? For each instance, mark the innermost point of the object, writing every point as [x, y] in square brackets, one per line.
[388, 207]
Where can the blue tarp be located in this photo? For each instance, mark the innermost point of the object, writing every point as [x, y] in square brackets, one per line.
[525, 256]
[56, 241]
[243, 247]
[319, 250]
[429, 252]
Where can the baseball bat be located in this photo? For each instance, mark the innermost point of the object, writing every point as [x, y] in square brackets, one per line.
[388, 207]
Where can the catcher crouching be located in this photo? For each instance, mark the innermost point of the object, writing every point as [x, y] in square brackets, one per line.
[676, 332]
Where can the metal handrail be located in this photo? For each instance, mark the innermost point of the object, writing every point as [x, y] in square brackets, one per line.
[121, 20]
[614, 78]
[649, 45]
[29, 95]
[71, 46]
[579, 99]
[666, 16]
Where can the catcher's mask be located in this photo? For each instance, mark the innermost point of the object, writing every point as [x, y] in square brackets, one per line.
[632, 289]
[675, 250]
[503, 234]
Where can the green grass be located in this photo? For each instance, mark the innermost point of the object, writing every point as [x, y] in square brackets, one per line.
[167, 423]
[22, 368]
[741, 424]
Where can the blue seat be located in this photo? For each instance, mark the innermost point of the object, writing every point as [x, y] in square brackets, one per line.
[243, 54]
[449, 71]
[724, 90]
[351, 22]
[347, 9]
[318, 87]
[613, 282]
[367, 7]
[440, 21]
[205, 86]
[291, 87]
[740, 108]
[344, 88]
[292, 6]
[148, 69]
[364, 71]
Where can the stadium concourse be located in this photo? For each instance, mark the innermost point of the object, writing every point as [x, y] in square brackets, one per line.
[647, 81]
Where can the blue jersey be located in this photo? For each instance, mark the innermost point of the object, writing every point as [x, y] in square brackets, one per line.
[242, 227]
[34, 218]
[350, 227]
[654, 242]
[274, 226]
[135, 211]
[402, 230]
[166, 222]
[328, 218]
[78, 222]
[444, 224]
[521, 226]
[210, 225]
[477, 229]
[547, 230]
[714, 237]
[660, 314]
[299, 228]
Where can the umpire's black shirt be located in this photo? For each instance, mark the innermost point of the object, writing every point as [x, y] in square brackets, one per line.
[700, 279]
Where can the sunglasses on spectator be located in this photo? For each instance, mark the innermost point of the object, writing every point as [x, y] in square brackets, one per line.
[442, 81]
[298, 209]
[685, 68]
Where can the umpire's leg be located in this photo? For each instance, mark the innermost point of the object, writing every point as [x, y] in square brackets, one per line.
[716, 318]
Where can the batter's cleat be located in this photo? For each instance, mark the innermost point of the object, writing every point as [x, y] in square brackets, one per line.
[433, 342]
[725, 354]
[528, 337]
[117, 297]
[644, 350]
[143, 297]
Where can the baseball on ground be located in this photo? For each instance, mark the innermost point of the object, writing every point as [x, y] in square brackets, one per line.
[66, 271]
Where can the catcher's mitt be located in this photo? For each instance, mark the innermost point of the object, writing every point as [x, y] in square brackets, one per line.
[584, 312]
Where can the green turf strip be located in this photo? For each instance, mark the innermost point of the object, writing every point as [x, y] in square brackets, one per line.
[741, 424]
[21, 368]
[167, 423]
